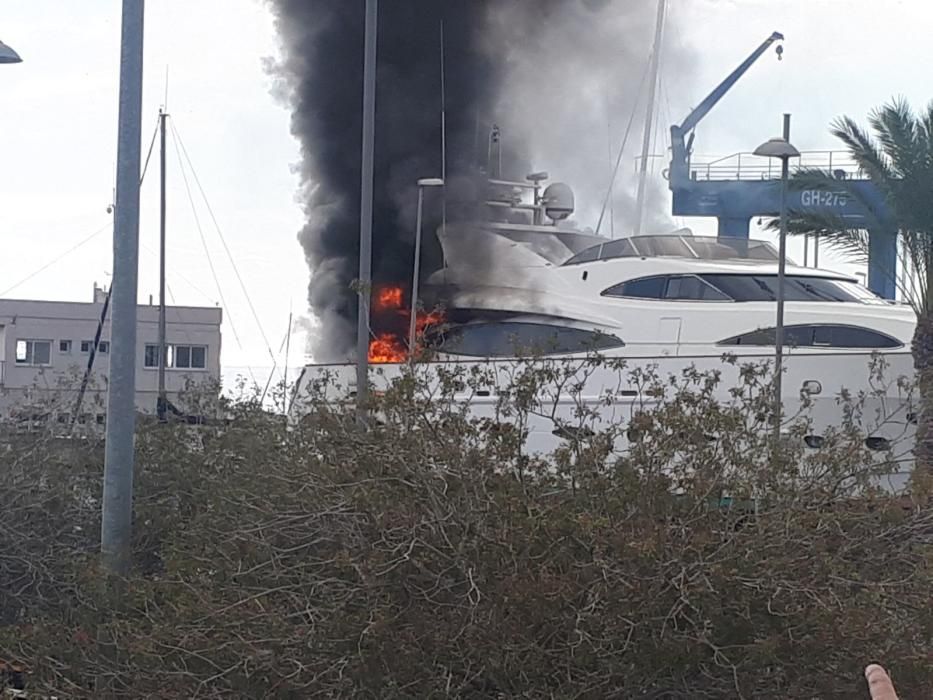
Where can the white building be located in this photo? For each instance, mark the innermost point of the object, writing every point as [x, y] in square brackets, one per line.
[45, 347]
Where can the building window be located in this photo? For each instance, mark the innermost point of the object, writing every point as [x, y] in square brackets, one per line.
[64, 347]
[103, 347]
[199, 357]
[183, 356]
[177, 356]
[86, 345]
[152, 356]
[33, 352]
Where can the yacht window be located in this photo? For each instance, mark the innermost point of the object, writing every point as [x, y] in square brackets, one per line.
[619, 248]
[796, 288]
[588, 255]
[692, 288]
[509, 339]
[644, 288]
[826, 336]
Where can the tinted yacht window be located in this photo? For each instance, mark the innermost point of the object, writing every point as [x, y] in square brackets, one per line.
[692, 288]
[644, 288]
[510, 338]
[797, 288]
[673, 287]
[826, 336]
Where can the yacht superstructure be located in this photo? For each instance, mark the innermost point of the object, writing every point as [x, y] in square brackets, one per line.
[666, 295]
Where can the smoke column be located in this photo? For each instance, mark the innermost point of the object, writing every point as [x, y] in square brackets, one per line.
[549, 72]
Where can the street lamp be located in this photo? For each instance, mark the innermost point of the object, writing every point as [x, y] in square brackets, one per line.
[413, 323]
[8, 55]
[781, 149]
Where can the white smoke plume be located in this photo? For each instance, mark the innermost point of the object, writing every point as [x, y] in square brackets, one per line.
[571, 80]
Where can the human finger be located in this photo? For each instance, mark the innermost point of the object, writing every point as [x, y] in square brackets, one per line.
[879, 683]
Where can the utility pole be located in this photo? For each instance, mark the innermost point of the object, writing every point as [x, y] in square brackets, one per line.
[654, 74]
[366, 207]
[162, 401]
[117, 506]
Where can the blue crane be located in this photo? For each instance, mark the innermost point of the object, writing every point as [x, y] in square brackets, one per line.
[735, 193]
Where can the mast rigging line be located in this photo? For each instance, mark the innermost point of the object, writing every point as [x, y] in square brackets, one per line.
[155, 135]
[210, 261]
[180, 142]
[628, 131]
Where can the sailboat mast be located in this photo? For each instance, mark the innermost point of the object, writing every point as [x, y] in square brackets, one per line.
[163, 355]
[649, 117]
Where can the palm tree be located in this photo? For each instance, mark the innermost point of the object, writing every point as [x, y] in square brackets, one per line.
[897, 156]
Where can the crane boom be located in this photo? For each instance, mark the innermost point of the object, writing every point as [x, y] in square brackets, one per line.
[678, 132]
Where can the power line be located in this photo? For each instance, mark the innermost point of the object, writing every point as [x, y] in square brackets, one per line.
[61, 257]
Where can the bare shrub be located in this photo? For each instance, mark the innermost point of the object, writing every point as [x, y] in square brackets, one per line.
[679, 553]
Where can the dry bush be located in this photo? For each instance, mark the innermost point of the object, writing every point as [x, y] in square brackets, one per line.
[430, 557]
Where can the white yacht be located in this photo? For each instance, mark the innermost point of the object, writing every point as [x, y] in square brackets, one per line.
[659, 295]
[525, 288]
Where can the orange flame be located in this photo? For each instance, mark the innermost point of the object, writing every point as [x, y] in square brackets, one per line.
[390, 298]
[387, 348]
[392, 347]
[426, 320]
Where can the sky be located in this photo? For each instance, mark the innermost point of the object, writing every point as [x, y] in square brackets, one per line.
[210, 57]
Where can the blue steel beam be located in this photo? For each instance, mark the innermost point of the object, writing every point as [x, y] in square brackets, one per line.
[735, 202]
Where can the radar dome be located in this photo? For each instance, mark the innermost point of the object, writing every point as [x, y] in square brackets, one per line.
[558, 201]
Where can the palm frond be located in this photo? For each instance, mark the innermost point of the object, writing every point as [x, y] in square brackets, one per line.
[873, 162]
[926, 126]
[814, 179]
[832, 229]
[896, 129]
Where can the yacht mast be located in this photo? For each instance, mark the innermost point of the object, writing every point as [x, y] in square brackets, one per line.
[654, 71]
[161, 404]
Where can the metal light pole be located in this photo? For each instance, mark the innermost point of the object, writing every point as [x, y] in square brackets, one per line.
[413, 323]
[366, 207]
[117, 508]
[8, 55]
[782, 149]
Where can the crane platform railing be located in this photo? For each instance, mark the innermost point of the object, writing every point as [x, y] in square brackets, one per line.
[749, 167]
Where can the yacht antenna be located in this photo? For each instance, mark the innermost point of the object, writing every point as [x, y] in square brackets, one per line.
[494, 157]
[649, 117]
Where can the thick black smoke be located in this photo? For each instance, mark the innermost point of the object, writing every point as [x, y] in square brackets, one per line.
[323, 41]
[511, 62]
